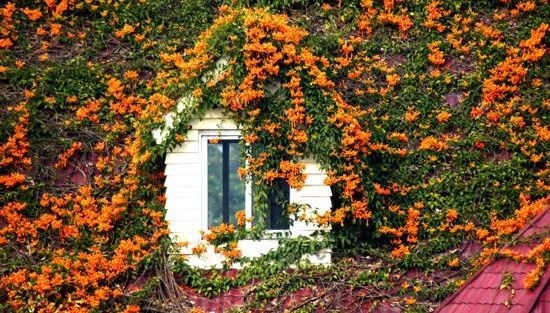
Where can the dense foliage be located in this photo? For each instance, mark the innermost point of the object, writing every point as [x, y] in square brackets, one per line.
[430, 117]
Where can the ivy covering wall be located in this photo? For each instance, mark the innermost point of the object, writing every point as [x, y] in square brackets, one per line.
[430, 118]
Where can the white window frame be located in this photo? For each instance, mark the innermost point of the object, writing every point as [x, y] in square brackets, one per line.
[204, 137]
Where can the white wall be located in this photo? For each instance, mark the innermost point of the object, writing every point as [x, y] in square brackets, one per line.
[183, 195]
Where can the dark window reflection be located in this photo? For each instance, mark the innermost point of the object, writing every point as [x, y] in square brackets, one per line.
[226, 191]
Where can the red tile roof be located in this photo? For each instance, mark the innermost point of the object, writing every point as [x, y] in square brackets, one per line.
[482, 292]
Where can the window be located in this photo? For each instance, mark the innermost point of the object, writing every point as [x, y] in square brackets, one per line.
[276, 218]
[224, 193]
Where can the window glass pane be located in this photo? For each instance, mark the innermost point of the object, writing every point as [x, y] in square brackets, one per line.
[226, 191]
[278, 203]
[236, 185]
[215, 184]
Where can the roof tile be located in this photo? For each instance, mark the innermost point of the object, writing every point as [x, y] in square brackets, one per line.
[545, 295]
[544, 220]
[498, 266]
[482, 292]
[535, 230]
[542, 307]
[487, 280]
[477, 308]
[521, 248]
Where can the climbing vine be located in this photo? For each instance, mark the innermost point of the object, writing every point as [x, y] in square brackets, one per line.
[430, 118]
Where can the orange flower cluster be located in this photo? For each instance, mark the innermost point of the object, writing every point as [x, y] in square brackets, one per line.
[403, 22]
[70, 218]
[432, 143]
[400, 252]
[11, 180]
[291, 172]
[32, 14]
[296, 115]
[221, 230]
[242, 219]
[198, 58]
[443, 117]
[527, 211]
[411, 229]
[7, 25]
[372, 15]
[64, 157]
[126, 30]
[381, 191]
[262, 57]
[435, 13]
[17, 227]
[122, 104]
[199, 249]
[501, 93]
[231, 252]
[541, 257]
[501, 230]
[450, 217]
[411, 115]
[13, 153]
[454, 262]
[436, 56]
[89, 111]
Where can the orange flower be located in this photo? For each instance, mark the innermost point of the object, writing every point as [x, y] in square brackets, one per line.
[399, 136]
[89, 111]
[220, 230]
[411, 116]
[132, 309]
[451, 215]
[55, 29]
[5, 43]
[431, 143]
[125, 30]
[435, 13]
[403, 22]
[454, 262]
[131, 75]
[64, 157]
[115, 88]
[241, 218]
[231, 252]
[199, 249]
[251, 138]
[214, 141]
[436, 56]
[443, 116]
[410, 300]
[400, 252]
[12, 180]
[476, 112]
[32, 14]
[479, 144]
[381, 191]
[392, 80]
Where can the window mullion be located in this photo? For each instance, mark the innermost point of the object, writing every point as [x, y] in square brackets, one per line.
[225, 197]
